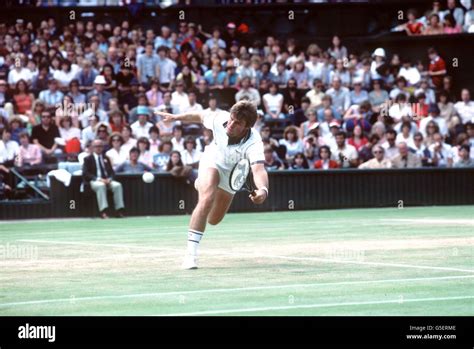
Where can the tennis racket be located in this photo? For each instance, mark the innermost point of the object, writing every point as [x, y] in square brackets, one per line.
[241, 178]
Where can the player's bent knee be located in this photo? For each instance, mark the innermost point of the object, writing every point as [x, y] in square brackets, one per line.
[214, 221]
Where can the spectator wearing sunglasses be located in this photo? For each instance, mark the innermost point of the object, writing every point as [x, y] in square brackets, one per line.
[378, 160]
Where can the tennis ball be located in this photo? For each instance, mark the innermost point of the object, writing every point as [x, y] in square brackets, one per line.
[148, 177]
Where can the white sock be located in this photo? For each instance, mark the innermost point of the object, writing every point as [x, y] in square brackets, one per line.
[194, 237]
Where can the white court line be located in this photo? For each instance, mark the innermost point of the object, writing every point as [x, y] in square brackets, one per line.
[151, 248]
[320, 305]
[254, 255]
[238, 289]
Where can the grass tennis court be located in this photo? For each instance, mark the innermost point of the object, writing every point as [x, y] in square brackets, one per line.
[411, 261]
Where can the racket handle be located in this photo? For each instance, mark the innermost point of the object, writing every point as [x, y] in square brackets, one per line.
[253, 193]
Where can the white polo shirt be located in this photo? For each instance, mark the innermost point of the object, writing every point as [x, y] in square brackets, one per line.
[226, 156]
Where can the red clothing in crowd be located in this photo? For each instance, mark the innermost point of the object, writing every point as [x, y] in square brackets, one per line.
[415, 28]
[318, 164]
[437, 65]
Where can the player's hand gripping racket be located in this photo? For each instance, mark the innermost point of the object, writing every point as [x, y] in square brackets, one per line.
[241, 178]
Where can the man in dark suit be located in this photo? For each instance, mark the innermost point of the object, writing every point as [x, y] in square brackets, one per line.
[97, 171]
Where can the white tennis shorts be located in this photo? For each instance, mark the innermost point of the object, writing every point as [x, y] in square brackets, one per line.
[208, 161]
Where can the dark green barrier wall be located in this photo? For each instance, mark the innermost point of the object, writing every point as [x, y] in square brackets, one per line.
[299, 190]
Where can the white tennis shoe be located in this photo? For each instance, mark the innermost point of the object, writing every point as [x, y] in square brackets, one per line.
[190, 262]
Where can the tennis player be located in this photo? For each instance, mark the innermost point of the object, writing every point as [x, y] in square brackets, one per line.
[234, 139]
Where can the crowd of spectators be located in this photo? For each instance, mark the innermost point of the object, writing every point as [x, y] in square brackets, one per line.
[62, 88]
[454, 19]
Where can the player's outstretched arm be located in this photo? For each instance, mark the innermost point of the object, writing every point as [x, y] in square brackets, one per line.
[260, 178]
[193, 117]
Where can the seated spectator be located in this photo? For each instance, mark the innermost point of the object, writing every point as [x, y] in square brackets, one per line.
[89, 133]
[340, 72]
[450, 26]
[97, 172]
[345, 154]
[67, 108]
[434, 115]
[93, 108]
[190, 155]
[22, 97]
[16, 127]
[273, 103]
[401, 87]
[44, 135]
[420, 150]
[28, 154]
[358, 95]
[85, 153]
[292, 96]
[145, 157]
[316, 94]
[465, 107]
[52, 95]
[327, 104]
[405, 159]
[464, 158]
[215, 76]
[154, 138]
[40, 81]
[8, 147]
[116, 153]
[271, 162]
[202, 93]
[245, 70]
[154, 95]
[77, 96]
[431, 129]
[405, 135]
[160, 160]
[128, 140]
[400, 109]
[413, 26]
[141, 127]
[425, 91]
[291, 142]
[99, 91]
[299, 162]
[358, 115]
[70, 136]
[177, 168]
[434, 27]
[187, 77]
[192, 103]
[133, 165]
[300, 74]
[325, 162]
[409, 73]
[65, 75]
[179, 98]
[358, 139]
[447, 111]
[391, 149]
[378, 97]
[86, 76]
[311, 123]
[116, 120]
[365, 152]
[337, 50]
[130, 99]
[340, 95]
[441, 152]
[248, 92]
[378, 160]
[178, 140]
[264, 74]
